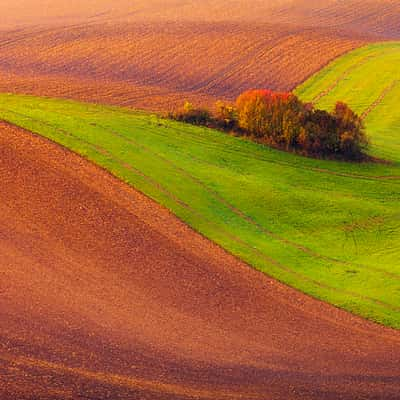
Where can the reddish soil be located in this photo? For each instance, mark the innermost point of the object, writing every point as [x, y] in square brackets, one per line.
[155, 54]
[106, 295]
[159, 65]
[378, 17]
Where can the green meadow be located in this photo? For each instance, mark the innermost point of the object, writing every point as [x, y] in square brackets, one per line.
[368, 79]
[329, 228]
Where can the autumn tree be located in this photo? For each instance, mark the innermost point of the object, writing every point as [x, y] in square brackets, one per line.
[284, 121]
[269, 115]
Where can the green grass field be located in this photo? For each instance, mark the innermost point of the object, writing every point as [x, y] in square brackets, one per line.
[328, 228]
[368, 79]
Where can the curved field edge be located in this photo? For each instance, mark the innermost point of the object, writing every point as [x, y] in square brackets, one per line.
[368, 79]
[327, 228]
[157, 65]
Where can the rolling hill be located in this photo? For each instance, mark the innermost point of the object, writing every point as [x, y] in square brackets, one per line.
[330, 229]
[152, 54]
[106, 295]
[377, 17]
[368, 79]
[157, 66]
[141, 258]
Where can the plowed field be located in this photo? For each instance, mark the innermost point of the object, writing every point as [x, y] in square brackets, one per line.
[105, 295]
[158, 66]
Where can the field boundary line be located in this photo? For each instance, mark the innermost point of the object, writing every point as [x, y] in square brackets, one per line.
[242, 214]
[344, 75]
[382, 178]
[228, 234]
[379, 100]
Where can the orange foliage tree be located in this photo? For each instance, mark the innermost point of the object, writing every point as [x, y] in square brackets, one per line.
[283, 120]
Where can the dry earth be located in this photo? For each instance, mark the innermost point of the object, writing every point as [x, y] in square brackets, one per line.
[154, 54]
[106, 295]
[379, 17]
[157, 65]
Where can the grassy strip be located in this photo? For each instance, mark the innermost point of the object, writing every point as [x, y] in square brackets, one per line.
[367, 79]
[329, 229]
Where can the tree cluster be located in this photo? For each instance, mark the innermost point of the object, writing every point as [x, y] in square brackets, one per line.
[281, 119]
[284, 121]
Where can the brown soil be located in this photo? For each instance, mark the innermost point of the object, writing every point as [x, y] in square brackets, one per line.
[159, 65]
[106, 295]
[155, 54]
[379, 17]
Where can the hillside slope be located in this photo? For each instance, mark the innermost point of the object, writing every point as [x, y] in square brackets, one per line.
[105, 295]
[369, 80]
[330, 229]
[379, 17]
[154, 54]
[159, 65]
